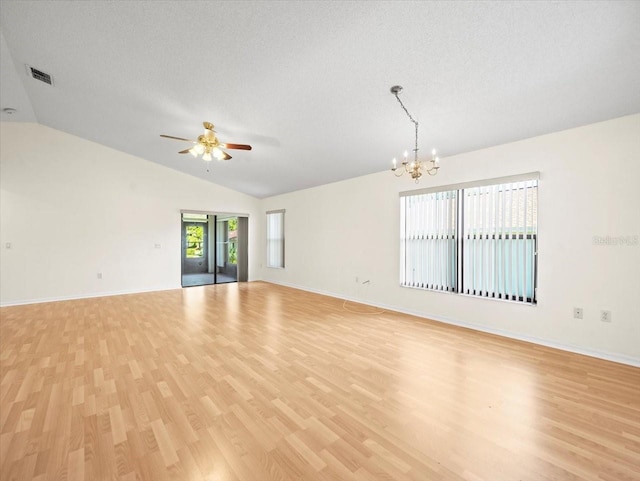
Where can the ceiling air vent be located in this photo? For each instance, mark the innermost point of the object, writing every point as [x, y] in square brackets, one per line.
[39, 75]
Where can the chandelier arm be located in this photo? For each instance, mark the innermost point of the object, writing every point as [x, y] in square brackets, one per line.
[433, 170]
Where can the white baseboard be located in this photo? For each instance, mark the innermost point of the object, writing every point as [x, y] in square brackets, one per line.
[607, 356]
[84, 296]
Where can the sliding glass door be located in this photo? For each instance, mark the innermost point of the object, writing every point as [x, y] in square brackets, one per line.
[213, 246]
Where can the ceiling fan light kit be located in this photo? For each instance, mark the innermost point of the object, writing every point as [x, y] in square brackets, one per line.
[416, 167]
[208, 145]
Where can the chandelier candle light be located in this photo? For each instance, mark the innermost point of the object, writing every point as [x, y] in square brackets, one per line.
[416, 167]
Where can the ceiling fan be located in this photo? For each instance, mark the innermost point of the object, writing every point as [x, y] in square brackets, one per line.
[208, 145]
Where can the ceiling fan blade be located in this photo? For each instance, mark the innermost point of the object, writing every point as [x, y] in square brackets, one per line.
[177, 138]
[236, 146]
[226, 156]
[185, 151]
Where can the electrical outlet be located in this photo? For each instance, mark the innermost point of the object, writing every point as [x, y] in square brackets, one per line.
[605, 316]
[157, 246]
[99, 275]
[577, 313]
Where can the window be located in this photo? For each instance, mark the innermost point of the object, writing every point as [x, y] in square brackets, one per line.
[477, 238]
[232, 228]
[195, 241]
[275, 238]
[429, 241]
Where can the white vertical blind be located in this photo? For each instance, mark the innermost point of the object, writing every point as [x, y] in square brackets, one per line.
[477, 238]
[275, 238]
[428, 241]
[500, 240]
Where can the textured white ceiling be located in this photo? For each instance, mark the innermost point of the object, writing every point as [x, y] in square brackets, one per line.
[307, 83]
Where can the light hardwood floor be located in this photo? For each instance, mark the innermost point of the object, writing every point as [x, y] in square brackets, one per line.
[259, 382]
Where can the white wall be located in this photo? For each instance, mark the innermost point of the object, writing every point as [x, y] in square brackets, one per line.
[590, 186]
[71, 208]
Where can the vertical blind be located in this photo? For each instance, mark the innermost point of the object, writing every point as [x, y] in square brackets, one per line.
[429, 241]
[500, 240]
[476, 238]
[275, 238]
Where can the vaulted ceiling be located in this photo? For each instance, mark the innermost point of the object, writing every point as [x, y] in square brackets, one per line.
[307, 82]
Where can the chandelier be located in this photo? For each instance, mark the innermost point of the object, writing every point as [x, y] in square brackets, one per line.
[416, 167]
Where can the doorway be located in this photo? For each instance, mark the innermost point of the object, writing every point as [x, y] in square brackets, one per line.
[214, 248]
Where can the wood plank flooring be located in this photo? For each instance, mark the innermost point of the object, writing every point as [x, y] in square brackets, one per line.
[258, 382]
